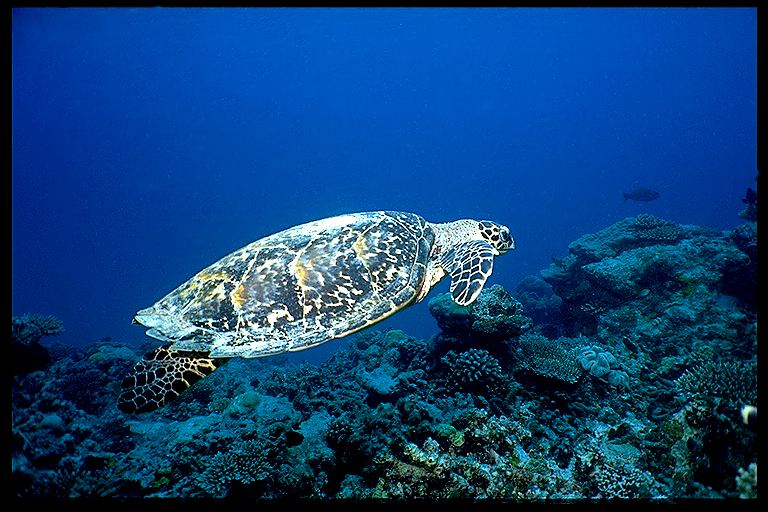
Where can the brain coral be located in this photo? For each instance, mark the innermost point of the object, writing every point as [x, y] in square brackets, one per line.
[596, 361]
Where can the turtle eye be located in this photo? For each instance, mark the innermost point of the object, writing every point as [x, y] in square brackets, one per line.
[505, 238]
[497, 235]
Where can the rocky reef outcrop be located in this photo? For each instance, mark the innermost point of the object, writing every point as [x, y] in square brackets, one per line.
[652, 267]
[26, 351]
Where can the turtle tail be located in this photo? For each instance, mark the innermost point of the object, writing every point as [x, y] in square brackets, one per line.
[161, 376]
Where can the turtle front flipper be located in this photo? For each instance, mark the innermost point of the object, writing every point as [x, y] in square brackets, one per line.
[469, 264]
[161, 376]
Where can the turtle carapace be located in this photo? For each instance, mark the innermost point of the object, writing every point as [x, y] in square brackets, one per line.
[302, 287]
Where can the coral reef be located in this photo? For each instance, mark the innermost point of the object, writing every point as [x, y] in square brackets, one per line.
[621, 269]
[493, 318]
[540, 304]
[742, 283]
[625, 379]
[622, 481]
[27, 353]
[746, 482]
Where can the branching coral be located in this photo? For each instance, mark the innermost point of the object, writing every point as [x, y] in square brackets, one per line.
[474, 370]
[340, 433]
[667, 233]
[29, 329]
[647, 221]
[245, 464]
[622, 481]
[732, 380]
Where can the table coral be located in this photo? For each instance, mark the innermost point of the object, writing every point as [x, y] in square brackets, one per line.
[554, 359]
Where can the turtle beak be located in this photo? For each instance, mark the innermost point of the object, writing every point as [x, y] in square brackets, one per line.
[146, 317]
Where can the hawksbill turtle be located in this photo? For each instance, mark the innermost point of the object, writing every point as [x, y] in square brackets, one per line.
[304, 286]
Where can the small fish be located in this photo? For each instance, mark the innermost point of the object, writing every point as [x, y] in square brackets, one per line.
[750, 197]
[749, 416]
[293, 438]
[641, 194]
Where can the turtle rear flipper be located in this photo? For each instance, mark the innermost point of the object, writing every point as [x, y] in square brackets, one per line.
[161, 376]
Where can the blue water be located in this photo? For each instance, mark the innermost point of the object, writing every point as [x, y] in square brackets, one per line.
[147, 143]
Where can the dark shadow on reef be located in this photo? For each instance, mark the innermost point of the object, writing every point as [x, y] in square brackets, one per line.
[620, 374]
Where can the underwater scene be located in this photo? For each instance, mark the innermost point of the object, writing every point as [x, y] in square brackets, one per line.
[381, 254]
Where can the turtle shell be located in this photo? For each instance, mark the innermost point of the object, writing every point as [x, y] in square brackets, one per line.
[298, 288]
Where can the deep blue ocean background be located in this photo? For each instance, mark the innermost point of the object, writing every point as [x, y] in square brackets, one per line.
[148, 143]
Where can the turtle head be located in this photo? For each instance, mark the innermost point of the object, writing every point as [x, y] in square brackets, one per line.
[465, 251]
[497, 235]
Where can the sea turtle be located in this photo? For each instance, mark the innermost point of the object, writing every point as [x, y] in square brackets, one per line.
[302, 287]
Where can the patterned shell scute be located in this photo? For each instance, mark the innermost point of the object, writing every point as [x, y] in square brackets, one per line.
[299, 287]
